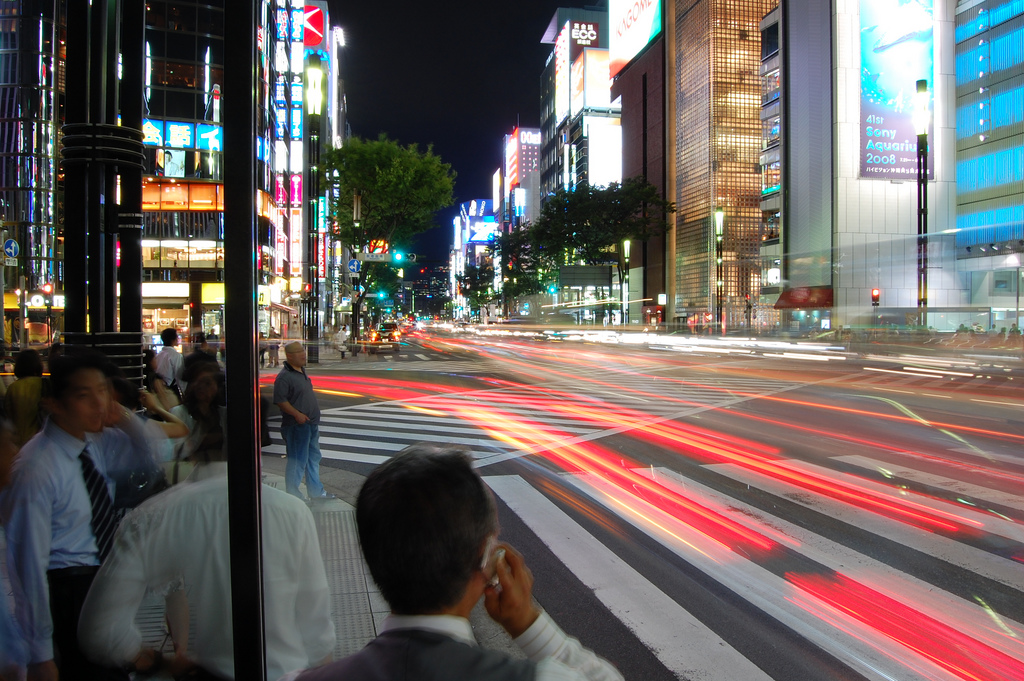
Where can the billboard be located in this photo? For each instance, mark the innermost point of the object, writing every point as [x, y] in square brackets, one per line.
[576, 79]
[896, 50]
[482, 230]
[562, 67]
[583, 34]
[604, 149]
[315, 25]
[512, 159]
[635, 23]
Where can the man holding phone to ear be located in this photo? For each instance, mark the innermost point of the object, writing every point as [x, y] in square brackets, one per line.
[428, 528]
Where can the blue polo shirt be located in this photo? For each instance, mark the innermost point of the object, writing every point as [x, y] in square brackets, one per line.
[295, 387]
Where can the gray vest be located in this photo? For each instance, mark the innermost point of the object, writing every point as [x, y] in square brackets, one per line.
[415, 655]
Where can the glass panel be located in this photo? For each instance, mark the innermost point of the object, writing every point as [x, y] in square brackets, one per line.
[203, 196]
[174, 197]
[151, 196]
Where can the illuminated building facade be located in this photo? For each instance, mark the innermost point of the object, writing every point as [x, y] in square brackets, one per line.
[838, 198]
[637, 67]
[567, 157]
[474, 229]
[518, 198]
[990, 153]
[183, 188]
[716, 150]
[31, 112]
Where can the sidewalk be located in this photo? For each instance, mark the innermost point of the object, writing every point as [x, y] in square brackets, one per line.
[357, 607]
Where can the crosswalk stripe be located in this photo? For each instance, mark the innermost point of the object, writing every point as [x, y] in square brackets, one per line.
[867, 651]
[956, 486]
[981, 562]
[935, 602]
[421, 356]
[679, 640]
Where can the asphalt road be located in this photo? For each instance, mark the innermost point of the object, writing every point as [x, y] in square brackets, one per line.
[743, 513]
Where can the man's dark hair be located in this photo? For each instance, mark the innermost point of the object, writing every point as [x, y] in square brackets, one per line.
[67, 365]
[28, 362]
[423, 518]
[127, 392]
[169, 335]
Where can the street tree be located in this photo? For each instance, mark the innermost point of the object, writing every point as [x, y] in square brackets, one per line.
[588, 225]
[477, 285]
[382, 193]
[522, 272]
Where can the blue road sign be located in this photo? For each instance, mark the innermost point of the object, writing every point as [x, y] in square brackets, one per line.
[11, 248]
[353, 266]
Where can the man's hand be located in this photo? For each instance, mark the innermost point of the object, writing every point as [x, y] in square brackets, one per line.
[512, 604]
[301, 418]
[43, 671]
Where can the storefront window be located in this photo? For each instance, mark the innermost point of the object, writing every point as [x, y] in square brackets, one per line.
[174, 197]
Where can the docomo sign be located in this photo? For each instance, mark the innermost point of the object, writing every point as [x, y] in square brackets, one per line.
[531, 137]
[634, 24]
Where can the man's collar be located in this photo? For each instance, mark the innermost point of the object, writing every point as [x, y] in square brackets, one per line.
[451, 626]
[288, 365]
[65, 441]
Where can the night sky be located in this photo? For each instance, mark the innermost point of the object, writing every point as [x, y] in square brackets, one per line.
[459, 75]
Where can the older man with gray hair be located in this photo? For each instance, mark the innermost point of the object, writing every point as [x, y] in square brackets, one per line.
[300, 424]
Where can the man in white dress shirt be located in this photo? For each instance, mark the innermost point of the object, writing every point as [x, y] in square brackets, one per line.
[179, 539]
[58, 512]
[428, 528]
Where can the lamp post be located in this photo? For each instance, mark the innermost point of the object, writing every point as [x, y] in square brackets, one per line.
[625, 283]
[921, 119]
[314, 107]
[719, 269]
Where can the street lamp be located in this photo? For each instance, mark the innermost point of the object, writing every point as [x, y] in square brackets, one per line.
[719, 268]
[921, 119]
[625, 283]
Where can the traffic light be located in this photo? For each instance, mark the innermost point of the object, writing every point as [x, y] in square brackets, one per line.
[552, 289]
[47, 288]
[876, 294]
[398, 257]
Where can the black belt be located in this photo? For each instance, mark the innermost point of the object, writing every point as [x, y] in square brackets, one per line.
[74, 571]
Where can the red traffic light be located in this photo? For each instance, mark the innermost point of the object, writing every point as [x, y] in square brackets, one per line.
[875, 296]
[47, 288]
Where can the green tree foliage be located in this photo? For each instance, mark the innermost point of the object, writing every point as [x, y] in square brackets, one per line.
[522, 273]
[587, 225]
[478, 285]
[400, 188]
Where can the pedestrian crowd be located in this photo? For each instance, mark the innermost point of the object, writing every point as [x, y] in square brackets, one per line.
[110, 494]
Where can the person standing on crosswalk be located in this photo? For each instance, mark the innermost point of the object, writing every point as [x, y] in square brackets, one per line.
[428, 528]
[58, 513]
[300, 424]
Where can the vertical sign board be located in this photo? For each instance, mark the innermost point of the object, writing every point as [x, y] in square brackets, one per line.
[562, 66]
[634, 23]
[896, 50]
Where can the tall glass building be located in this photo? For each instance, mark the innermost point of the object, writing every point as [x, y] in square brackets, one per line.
[31, 111]
[717, 154]
[990, 152]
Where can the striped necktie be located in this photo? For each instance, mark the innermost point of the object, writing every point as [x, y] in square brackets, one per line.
[104, 522]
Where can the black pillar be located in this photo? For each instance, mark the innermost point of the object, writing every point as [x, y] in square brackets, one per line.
[95, 151]
[240, 248]
[133, 49]
[76, 175]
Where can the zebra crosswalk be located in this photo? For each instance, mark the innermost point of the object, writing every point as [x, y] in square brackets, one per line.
[484, 420]
[870, 614]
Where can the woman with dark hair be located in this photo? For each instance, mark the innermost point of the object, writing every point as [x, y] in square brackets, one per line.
[21, 403]
[205, 418]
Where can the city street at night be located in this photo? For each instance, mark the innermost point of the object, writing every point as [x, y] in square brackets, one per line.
[726, 511]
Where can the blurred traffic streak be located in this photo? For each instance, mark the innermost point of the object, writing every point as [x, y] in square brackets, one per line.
[886, 531]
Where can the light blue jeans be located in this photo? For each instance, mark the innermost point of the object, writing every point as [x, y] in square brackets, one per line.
[303, 446]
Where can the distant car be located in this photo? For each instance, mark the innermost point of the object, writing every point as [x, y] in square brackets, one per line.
[388, 332]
